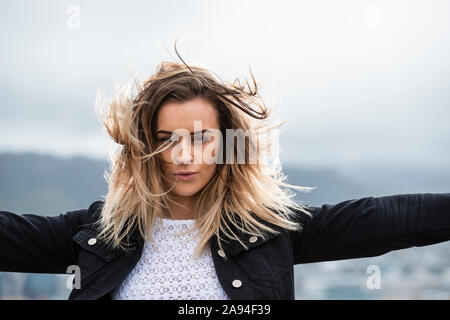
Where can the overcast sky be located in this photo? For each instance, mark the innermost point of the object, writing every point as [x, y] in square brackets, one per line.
[359, 81]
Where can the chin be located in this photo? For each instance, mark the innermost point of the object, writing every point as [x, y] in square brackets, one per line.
[185, 191]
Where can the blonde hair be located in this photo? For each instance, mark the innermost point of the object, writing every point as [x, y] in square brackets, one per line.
[240, 194]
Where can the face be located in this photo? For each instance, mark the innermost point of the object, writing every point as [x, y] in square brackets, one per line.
[187, 162]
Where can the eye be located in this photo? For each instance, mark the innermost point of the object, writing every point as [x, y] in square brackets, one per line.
[163, 139]
[203, 138]
[174, 138]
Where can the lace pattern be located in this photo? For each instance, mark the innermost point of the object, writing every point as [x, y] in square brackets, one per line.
[167, 270]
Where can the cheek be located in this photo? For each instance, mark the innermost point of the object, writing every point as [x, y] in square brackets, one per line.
[208, 171]
[166, 155]
[209, 152]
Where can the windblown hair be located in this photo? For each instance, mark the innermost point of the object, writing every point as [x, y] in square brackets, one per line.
[237, 194]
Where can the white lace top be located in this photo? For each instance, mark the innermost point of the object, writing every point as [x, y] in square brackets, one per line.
[167, 271]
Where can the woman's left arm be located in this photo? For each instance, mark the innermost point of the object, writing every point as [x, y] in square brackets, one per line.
[371, 226]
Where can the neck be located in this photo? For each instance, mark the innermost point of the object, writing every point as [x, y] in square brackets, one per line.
[183, 209]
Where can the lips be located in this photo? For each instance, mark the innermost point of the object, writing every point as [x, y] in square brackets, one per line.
[185, 175]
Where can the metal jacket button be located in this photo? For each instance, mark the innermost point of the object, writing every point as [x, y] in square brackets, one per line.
[253, 239]
[237, 283]
[92, 241]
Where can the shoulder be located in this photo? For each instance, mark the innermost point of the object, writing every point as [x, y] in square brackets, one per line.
[93, 214]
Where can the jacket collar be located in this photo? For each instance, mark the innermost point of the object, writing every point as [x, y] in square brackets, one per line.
[229, 246]
[234, 247]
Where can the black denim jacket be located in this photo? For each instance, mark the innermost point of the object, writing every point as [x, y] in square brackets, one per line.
[350, 229]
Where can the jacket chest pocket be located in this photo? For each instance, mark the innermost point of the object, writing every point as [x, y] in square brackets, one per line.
[266, 270]
[263, 279]
[93, 254]
[268, 260]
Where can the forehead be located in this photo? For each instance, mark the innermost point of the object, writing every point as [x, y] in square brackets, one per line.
[177, 115]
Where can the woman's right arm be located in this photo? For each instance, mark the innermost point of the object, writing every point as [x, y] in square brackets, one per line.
[38, 244]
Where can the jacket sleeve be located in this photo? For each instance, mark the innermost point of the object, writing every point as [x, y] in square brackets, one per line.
[371, 226]
[38, 244]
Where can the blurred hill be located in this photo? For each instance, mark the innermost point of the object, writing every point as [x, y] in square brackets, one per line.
[44, 184]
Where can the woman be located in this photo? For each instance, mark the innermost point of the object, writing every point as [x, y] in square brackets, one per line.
[195, 211]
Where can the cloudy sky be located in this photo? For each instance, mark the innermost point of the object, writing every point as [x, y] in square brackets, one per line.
[358, 81]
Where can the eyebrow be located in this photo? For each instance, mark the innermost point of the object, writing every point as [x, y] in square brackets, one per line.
[170, 132]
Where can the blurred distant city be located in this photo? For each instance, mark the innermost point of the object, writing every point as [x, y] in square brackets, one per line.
[47, 185]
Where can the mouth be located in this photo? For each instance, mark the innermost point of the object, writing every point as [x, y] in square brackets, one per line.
[184, 176]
